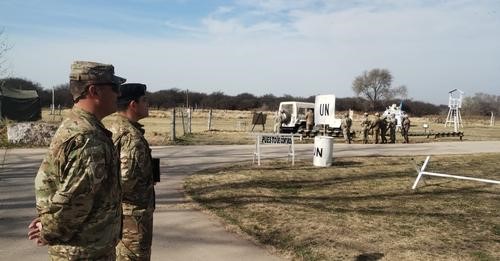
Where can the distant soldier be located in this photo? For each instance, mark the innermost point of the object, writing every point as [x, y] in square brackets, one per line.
[309, 120]
[346, 128]
[376, 127]
[365, 127]
[405, 128]
[383, 129]
[138, 203]
[392, 128]
[78, 193]
[277, 122]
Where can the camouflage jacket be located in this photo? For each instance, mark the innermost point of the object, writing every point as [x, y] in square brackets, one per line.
[406, 124]
[136, 167]
[392, 123]
[346, 123]
[366, 123]
[376, 123]
[383, 124]
[77, 188]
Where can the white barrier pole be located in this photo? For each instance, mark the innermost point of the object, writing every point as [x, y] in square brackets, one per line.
[291, 150]
[257, 150]
[460, 177]
[422, 172]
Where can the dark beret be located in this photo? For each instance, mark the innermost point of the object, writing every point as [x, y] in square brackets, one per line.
[131, 91]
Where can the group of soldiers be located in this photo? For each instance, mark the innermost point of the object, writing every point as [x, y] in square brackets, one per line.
[94, 190]
[379, 126]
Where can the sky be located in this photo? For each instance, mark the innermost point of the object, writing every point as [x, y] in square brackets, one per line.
[296, 47]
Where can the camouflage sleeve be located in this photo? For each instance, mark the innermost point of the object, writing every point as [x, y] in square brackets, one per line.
[81, 173]
[131, 157]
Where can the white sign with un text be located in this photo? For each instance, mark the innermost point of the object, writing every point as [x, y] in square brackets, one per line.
[324, 109]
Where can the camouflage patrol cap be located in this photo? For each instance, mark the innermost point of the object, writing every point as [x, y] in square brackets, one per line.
[131, 91]
[92, 73]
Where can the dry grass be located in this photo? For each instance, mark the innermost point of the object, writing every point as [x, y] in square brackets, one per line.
[234, 127]
[361, 209]
[228, 127]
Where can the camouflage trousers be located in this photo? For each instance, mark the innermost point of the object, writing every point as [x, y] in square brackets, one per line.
[376, 133]
[63, 253]
[365, 135]
[383, 134]
[347, 135]
[136, 238]
[405, 135]
[392, 135]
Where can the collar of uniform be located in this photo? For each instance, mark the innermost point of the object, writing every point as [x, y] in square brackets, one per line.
[139, 126]
[93, 119]
[135, 125]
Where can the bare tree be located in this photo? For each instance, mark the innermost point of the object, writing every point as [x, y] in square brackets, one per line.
[375, 85]
[4, 47]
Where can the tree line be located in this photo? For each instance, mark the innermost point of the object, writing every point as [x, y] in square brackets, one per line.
[480, 104]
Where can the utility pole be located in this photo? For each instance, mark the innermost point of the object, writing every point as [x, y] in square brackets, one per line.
[172, 132]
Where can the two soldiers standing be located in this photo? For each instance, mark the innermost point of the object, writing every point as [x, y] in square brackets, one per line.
[79, 186]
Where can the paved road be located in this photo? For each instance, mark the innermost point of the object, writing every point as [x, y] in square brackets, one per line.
[180, 231]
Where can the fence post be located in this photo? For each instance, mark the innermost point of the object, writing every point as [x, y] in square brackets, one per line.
[210, 120]
[172, 124]
[189, 120]
[183, 124]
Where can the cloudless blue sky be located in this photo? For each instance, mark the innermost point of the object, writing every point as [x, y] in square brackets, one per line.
[301, 47]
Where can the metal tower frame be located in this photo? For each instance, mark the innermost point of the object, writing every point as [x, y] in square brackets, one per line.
[455, 103]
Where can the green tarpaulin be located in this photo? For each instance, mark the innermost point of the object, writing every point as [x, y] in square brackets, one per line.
[19, 105]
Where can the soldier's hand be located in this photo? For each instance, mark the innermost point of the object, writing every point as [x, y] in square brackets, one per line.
[35, 232]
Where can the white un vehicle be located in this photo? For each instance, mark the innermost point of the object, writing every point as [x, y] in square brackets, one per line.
[293, 116]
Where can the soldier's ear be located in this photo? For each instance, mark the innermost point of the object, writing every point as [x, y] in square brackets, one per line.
[133, 105]
[92, 90]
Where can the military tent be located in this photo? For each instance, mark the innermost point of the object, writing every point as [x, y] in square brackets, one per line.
[19, 105]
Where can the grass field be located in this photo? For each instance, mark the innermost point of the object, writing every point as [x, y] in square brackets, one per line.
[361, 208]
[234, 127]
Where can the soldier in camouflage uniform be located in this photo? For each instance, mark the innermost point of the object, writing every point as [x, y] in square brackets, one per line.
[309, 120]
[78, 193]
[365, 126]
[392, 128]
[346, 128]
[376, 127]
[136, 174]
[405, 128]
[383, 129]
